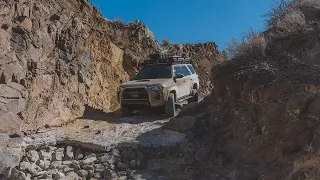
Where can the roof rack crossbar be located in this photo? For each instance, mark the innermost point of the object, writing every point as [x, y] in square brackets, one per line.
[169, 60]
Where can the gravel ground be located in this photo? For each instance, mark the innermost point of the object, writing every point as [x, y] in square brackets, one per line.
[97, 129]
[109, 132]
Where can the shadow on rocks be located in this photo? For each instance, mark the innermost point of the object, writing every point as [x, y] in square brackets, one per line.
[115, 117]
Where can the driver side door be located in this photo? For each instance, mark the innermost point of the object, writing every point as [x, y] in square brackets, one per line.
[181, 83]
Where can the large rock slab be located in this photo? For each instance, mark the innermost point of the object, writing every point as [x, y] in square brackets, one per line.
[10, 153]
[9, 122]
[8, 92]
[180, 124]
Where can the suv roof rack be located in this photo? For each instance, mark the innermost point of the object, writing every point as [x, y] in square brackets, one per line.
[166, 60]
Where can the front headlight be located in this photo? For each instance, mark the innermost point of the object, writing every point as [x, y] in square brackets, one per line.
[155, 87]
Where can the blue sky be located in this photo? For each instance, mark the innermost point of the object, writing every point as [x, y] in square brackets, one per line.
[192, 21]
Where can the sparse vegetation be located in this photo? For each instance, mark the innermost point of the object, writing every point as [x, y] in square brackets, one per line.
[166, 42]
[276, 12]
[286, 18]
[138, 21]
[118, 20]
[96, 5]
[251, 44]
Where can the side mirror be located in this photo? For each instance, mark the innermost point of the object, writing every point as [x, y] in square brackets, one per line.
[179, 76]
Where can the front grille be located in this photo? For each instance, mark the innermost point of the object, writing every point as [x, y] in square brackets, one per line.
[135, 93]
[136, 102]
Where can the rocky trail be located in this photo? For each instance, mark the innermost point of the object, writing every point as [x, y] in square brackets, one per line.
[96, 146]
[138, 131]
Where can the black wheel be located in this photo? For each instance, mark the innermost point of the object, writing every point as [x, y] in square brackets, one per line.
[195, 96]
[170, 106]
[126, 111]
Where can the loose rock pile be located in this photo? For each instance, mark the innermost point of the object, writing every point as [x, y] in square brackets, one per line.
[80, 164]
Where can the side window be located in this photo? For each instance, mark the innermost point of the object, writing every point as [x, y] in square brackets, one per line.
[191, 69]
[185, 71]
[177, 70]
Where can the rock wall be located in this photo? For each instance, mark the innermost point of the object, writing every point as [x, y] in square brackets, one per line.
[263, 112]
[60, 56]
[255, 117]
[203, 57]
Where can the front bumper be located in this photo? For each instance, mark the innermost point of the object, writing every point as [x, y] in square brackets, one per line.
[129, 96]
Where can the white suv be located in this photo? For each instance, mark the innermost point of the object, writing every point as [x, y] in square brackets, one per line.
[162, 82]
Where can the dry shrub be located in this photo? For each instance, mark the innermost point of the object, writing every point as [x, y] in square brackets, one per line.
[276, 12]
[166, 42]
[292, 16]
[292, 22]
[300, 4]
[118, 20]
[251, 45]
[310, 8]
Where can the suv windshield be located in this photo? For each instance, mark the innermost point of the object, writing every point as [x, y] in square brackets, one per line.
[154, 72]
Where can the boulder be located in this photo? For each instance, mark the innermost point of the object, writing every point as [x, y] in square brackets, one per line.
[67, 162]
[122, 166]
[277, 90]
[67, 170]
[99, 167]
[24, 165]
[298, 102]
[133, 164]
[9, 122]
[180, 124]
[8, 92]
[89, 160]
[71, 175]
[78, 154]
[34, 169]
[40, 163]
[104, 158]
[58, 155]
[55, 164]
[69, 155]
[109, 174]
[75, 165]
[32, 155]
[17, 175]
[15, 105]
[44, 155]
[26, 24]
[58, 176]
[314, 109]
[4, 42]
[272, 114]
[83, 174]
[10, 153]
[202, 154]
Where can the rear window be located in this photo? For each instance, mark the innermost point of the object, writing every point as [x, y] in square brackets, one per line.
[191, 69]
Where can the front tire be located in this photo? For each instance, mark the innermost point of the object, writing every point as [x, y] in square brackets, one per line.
[170, 106]
[195, 96]
[126, 111]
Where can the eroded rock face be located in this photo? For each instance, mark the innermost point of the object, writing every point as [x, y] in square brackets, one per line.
[203, 57]
[13, 97]
[60, 56]
[258, 117]
[10, 153]
[45, 64]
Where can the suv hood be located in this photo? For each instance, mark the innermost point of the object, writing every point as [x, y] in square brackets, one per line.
[147, 82]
